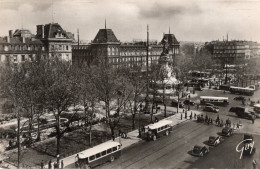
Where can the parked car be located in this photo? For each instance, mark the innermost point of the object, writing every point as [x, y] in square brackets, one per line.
[199, 151]
[239, 98]
[188, 102]
[249, 148]
[209, 104]
[248, 136]
[211, 109]
[174, 103]
[234, 109]
[227, 131]
[245, 115]
[214, 140]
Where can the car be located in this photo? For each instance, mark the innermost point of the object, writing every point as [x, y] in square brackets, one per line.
[239, 98]
[227, 131]
[211, 109]
[245, 115]
[248, 138]
[188, 102]
[209, 104]
[175, 104]
[199, 151]
[214, 140]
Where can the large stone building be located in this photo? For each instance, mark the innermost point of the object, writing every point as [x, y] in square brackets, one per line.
[106, 45]
[234, 50]
[50, 40]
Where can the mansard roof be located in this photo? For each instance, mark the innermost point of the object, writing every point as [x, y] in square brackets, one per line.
[171, 39]
[105, 36]
[51, 29]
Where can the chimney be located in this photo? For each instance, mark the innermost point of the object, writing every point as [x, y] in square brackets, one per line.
[40, 31]
[10, 33]
[8, 39]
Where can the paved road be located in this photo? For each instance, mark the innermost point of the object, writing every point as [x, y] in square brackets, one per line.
[173, 151]
[168, 151]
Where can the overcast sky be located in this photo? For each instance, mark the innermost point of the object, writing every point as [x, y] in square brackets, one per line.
[189, 20]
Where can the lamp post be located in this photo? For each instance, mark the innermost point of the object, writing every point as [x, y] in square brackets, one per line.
[139, 125]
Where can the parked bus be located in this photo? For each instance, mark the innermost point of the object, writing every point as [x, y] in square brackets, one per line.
[221, 101]
[158, 129]
[241, 90]
[99, 154]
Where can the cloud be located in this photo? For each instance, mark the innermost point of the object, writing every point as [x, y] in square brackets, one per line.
[166, 10]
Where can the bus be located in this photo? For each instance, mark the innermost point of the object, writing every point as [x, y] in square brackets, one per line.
[220, 101]
[241, 90]
[158, 129]
[99, 154]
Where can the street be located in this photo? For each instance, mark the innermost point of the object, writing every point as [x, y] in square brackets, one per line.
[173, 151]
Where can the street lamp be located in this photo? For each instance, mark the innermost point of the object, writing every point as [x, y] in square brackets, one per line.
[139, 126]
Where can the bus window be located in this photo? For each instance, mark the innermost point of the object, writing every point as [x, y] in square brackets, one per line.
[114, 148]
[109, 150]
[104, 153]
[98, 155]
[91, 158]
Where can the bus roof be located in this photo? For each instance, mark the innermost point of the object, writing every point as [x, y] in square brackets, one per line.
[257, 105]
[247, 88]
[99, 148]
[159, 124]
[213, 97]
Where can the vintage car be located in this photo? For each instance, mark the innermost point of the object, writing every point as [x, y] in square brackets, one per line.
[227, 131]
[199, 151]
[188, 102]
[211, 109]
[239, 98]
[214, 140]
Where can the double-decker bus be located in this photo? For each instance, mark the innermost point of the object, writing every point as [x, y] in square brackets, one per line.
[99, 154]
[220, 101]
[241, 90]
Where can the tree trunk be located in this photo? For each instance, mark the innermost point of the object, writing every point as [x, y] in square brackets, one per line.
[58, 137]
[38, 128]
[18, 138]
[133, 121]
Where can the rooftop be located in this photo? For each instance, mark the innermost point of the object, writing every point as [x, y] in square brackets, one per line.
[105, 36]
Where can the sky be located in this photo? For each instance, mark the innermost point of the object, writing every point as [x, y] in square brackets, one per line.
[189, 20]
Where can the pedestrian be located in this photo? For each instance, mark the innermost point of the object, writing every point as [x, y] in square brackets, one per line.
[254, 164]
[253, 120]
[183, 110]
[198, 106]
[185, 115]
[77, 158]
[49, 164]
[181, 116]
[42, 164]
[195, 116]
[191, 116]
[61, 164]
[211, 121]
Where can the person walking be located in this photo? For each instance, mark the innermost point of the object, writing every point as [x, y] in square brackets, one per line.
[49, 165]
[253, 120]
[254, 164]
[42, 164]
[61, 164]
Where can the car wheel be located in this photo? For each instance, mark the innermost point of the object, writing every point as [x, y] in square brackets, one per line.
[154, 138]
[167, 133]
[112, 158]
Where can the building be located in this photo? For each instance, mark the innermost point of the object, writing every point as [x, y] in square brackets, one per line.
[106, 45]
[50, 40]
[56, 40]
[234, 50]
[20, 46]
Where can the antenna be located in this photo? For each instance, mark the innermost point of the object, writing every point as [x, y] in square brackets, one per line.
[169, 29]
[78, 38]
[52, 11]
[22, 21]
[105, 23]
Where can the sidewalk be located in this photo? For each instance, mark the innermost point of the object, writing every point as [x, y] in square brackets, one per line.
[132, 137]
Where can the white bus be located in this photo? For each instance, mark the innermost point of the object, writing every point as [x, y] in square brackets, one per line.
[221, 101]
[99, 154]
[241, 90]
[162, 127]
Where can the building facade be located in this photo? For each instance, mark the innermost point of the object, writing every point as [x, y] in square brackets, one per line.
[234, 50]
[22, 45]
[106, 45]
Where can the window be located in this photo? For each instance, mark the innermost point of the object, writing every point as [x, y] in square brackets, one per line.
[15, 58]
[98, 155]
[109, 150]
[114, 148]
[92, 158]
[23, 58]
[103, 153]
[30, 57]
